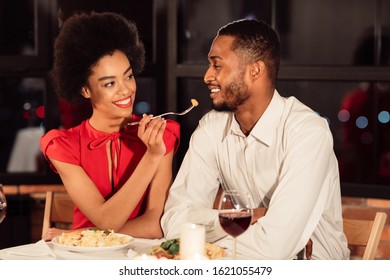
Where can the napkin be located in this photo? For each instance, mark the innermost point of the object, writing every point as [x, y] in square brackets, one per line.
[132, 254]
[142, 248]
[39, 249]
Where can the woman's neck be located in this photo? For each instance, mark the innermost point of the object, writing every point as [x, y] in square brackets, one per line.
[107, 125]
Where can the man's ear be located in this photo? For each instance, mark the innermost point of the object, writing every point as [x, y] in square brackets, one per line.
[85, 92]
[257, 69]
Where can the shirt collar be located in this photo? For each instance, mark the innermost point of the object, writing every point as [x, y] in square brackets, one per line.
[265, 128]
[232, 126]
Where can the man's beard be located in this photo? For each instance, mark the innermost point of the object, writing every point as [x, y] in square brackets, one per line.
[236, 93]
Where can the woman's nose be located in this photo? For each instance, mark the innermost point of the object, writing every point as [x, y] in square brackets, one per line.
[125, 88]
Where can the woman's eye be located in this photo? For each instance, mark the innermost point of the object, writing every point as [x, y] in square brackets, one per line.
[111, 84]
[129, 77]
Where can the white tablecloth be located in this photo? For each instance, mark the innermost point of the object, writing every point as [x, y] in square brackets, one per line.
[138, 247]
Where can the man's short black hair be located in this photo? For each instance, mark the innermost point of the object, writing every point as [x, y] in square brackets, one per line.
[255, 40]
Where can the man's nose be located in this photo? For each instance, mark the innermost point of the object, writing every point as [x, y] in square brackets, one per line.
[208, 76]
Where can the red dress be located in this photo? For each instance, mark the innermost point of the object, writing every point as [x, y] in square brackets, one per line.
[86, 147]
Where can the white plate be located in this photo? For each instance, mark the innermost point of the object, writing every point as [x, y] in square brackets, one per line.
[92, 249]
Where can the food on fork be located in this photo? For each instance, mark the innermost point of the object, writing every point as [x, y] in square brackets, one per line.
[92, 238]
[170, 249]
[194, 102]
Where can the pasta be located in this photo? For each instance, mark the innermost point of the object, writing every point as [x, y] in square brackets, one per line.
[92, 238]
[165, 250]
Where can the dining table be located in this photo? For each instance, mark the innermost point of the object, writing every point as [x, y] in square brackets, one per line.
[49, 260]
[138, 248]
[115, 264]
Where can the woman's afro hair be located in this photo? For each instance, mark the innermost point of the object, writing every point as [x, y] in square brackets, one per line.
[84, 38]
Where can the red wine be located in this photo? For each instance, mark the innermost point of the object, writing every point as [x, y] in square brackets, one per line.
[235, 223]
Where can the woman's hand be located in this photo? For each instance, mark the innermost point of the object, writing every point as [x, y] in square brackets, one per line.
[151, 132]
[53, 232]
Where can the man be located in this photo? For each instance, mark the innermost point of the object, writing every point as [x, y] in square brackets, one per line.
[256, 141]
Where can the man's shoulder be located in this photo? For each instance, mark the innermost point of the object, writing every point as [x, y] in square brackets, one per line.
[214, 124]
[214, 117]
[301, 115]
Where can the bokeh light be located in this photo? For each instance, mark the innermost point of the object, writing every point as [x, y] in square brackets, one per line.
[344, 115]
[27, 106]
[384, 117]
[361, 122]
[142, 107]
[40, 112]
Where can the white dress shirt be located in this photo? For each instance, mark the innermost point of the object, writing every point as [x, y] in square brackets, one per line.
[287, 163]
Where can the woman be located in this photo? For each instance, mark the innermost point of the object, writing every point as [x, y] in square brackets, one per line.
[118, 176]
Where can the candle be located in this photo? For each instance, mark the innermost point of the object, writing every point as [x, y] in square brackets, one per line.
[192, 242]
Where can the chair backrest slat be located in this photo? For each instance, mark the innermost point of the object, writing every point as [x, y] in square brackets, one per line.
[365, 233]
[58, 210]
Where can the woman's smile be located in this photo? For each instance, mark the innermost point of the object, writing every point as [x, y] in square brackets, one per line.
[124, 103]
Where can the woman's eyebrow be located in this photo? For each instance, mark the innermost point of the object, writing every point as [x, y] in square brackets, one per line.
[127, 70]
[112, 77]
[106, 78]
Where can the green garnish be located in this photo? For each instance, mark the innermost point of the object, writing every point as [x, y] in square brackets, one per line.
[106, 231]
[172, 246]
[174, 249]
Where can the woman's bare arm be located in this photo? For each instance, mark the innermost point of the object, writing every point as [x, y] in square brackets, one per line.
[114, 212]
[148, 224]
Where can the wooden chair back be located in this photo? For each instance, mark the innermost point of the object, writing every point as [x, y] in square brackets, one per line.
[58, 211]
[366, 233]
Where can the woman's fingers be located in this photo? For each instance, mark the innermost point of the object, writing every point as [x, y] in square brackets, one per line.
[155, 137]
[149, 127]
[157, 128]
[143, 123]
[52, 232]
[151, 133]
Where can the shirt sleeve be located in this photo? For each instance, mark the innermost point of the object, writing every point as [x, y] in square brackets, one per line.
[305, 186]
[57, 144]
[193, 192]
[299, 200]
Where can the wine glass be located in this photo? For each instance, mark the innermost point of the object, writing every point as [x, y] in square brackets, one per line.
[235, 214]
[3, 204]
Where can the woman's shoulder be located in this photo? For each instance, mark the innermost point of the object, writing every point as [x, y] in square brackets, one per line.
[62, 145]
[172, 135]
[70, 134]
[173, 127]
[62, 137]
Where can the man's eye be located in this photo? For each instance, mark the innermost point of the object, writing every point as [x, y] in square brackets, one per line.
[214, 65]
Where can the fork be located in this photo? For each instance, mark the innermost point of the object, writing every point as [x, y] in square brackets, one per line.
[193, 102]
